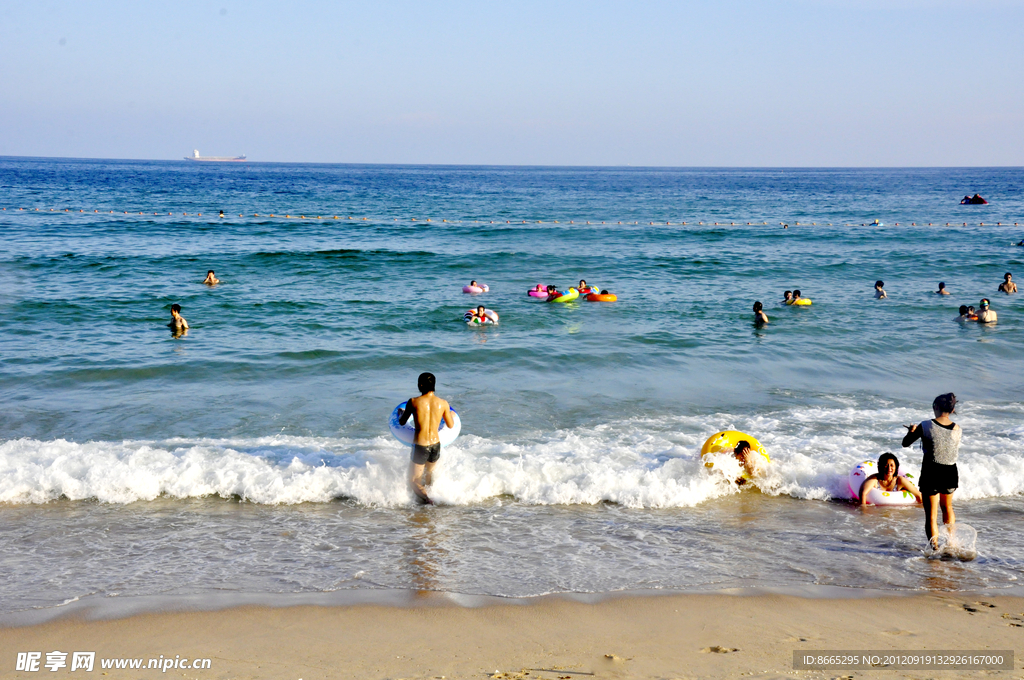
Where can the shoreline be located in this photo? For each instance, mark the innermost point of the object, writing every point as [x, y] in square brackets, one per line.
[112, 608]
[672, 636]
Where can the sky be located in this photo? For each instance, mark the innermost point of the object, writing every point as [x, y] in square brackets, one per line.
[547, 82]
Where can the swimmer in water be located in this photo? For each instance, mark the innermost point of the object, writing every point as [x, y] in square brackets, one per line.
[879, 291]
[178, 325]
[787, 297]
[747, 459]
[942, 289]
[965, 314]
[210, 279]
[796, 296]
[1007, 286]
[760, 318]
[482, 314]
[887, 479]
[553, 293]
[427, 411]
[986, 315]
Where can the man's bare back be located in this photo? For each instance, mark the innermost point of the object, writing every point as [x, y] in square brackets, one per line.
[428, 410]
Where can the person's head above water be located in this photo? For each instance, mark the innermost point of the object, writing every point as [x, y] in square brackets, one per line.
[480, 309]
[796, 293]
[473, 282]
[426, 382]
[963, 309]
[742, 446]
[1007, 276]
[879, 284]
[984, 303]
[209, 273]
[583, 283]
[942, 285]
[788, 294]
[944, 404]
[883, 462]
[758, 306]
[176, 308]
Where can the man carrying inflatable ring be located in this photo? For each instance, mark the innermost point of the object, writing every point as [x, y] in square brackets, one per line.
[427, 411]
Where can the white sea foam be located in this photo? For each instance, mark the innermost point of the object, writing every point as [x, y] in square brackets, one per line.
[642, 462]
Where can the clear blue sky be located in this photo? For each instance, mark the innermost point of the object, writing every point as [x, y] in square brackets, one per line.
[734, 83]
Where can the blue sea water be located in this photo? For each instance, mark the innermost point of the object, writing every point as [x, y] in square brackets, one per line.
[252, 455]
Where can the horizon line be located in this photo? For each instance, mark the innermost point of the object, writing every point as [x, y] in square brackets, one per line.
[528, 165]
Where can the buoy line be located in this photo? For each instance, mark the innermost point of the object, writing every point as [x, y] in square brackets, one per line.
[221, 214]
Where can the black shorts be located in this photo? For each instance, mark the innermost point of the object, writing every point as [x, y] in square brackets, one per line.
[426, 454]
[937, 478]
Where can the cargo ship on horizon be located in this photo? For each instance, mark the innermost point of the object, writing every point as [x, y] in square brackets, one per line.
[216, 159]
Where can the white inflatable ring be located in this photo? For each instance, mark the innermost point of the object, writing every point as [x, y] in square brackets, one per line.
[406, 433]
[490, 317]
[878, 495]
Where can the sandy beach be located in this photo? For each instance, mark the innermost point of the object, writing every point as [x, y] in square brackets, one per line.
[668, 636]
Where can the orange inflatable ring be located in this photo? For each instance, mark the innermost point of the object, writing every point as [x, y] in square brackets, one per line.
[599, 297]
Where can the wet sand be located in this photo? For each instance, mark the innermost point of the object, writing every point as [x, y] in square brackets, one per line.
[665, 636]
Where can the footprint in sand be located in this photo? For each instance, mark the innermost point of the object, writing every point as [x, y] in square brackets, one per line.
[719, 650]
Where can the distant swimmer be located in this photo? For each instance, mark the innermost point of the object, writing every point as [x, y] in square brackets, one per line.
[427, 411]
[797, 300]
[942, 289]
[787, 297]
[976, 199]
[178, 325]
[1020, 243]
[210, 279]
[1007, 286]
[986, 315]
[887, 478]
[940, 441]
[966, 314]
[760, 318]
[880, 291]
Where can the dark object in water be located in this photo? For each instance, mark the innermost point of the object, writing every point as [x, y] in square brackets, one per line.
[976, 199]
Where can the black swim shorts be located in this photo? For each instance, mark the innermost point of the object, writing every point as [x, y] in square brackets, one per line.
[426, 454]
[936, 479]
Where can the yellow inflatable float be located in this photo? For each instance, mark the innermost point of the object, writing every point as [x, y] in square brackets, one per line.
[725, 442]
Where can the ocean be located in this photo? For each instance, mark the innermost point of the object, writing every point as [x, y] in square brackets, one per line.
[251, 459]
